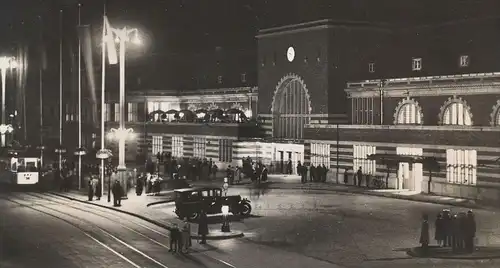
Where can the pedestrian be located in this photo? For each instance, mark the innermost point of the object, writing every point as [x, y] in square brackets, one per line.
[98, 190]
[139, 185]
[424, 233]
[203, 227]
[439, 232]
[447, 228]
[186, 236]
[346, 176]
[470, 232]
[117, 193]
[90, 191]
[175, 238]
[455, 233]
[359, 176]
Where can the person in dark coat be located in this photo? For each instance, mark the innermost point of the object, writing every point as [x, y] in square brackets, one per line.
[439, 233]
[264, 173]
[203, 227]
[456, 235]
[139, 185]
[346, 176]
[424, 233]
[359, 176]
[312, 173]
[175, 239]
[90, 191]
[447, 231]
[324, 170]
[98, 190]
[470, 232]
[117, 194]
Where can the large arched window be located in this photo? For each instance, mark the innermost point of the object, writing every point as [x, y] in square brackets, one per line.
[456, 112]
[291, 108]
[408, 112]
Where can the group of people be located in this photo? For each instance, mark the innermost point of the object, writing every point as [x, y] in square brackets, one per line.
[256, 171]
[180, 237]
[152, 183]
[192, 168]
[316, 173]
[457, 231]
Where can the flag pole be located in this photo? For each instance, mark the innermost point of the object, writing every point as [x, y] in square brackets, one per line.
[60, 86]
[79, 100]
[103, 103]
[41, 90]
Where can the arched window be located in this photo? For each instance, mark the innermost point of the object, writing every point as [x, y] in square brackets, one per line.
[495, 115]
[456, 112]
[408, 112]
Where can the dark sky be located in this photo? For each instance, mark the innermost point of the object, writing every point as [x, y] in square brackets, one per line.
[175, 25]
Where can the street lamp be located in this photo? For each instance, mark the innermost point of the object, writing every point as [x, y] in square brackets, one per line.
[225, 228]
[104, 154]
[80, 152]
[122, 36]
[121, 135]
[6, 63]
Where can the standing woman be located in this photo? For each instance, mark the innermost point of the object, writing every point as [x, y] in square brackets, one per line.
[424, 233]
[186, 235]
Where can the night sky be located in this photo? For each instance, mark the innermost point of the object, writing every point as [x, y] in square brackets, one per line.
[194, 25]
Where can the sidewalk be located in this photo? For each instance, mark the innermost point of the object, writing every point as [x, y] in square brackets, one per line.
[137, 206]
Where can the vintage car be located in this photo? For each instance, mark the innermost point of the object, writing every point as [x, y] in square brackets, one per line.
[190, 201]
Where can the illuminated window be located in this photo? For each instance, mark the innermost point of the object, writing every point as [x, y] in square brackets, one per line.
[107, 112]
[243, 77]
[219, 79]
[225, 151]
[457, 113]
[157, 145]
[371, 67]
[320, 154]
[362, 111]
[360, 159]
[461, 166]
[177, 146]
[117, 112]
[408, 112]
[464, 61]
[416, 64]
[199, 147]
[132, 112]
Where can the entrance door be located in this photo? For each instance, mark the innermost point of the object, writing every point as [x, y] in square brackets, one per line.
[410, 175]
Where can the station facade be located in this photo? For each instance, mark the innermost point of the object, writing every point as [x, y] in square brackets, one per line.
[335, 93]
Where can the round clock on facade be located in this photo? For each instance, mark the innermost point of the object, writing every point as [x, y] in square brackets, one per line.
[290, 54]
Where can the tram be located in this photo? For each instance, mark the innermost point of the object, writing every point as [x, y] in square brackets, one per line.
[20, 171]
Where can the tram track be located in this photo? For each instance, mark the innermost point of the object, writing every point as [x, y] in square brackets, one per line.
[152, 235]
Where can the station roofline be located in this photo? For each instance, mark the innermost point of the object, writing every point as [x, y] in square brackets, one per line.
[325, 23]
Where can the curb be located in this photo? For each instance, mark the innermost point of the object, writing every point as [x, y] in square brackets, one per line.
[157, 223]
[414, 253]
[160, 202]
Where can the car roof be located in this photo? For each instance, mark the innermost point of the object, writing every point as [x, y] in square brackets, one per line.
[194, 189]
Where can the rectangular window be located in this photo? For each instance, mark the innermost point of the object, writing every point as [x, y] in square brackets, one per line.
[177, 146]
[362, 111]
[107, 112]
[225, 151]
[199, 147]
[153, 106]
[219, 79]
[117, 112]
[416, 64]
[320, 154]
[157, 145]
[371, 67]
[243, 77]
[360, 159]
[132, 112]
[461, 166]
[464, 61]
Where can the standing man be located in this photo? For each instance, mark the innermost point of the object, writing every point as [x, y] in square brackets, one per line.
[359, 176]
[203, 227]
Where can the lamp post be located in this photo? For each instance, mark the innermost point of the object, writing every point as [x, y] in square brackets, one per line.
[225, 228]
[121, 135]
[104, 154]
[122, 36]
[6, 63]
[80, 152]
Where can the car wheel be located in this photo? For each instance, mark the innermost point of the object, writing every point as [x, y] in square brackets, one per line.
[193, 216]
[246, 209]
